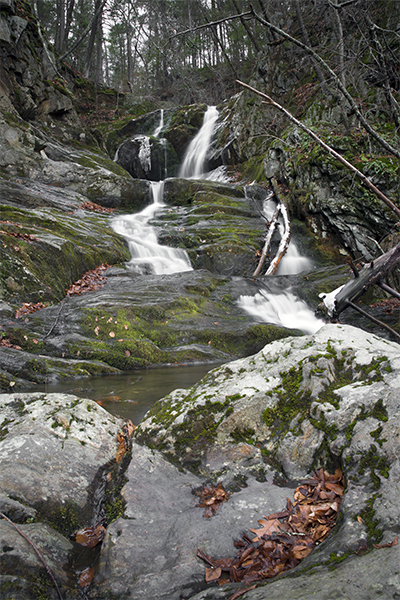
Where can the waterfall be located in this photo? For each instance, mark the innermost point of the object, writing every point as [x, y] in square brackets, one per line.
[148, 256]
[193, 163]
[284, 310]
[160, 127]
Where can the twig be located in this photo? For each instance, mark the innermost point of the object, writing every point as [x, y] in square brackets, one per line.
[331, 151]
[205, 25]
[373, 319]
[37, 552]
[55, 321]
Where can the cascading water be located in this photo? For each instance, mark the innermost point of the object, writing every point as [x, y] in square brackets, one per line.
[159, 127]
[193, 163]
[148, 256]
[280, 308]
[283, 308]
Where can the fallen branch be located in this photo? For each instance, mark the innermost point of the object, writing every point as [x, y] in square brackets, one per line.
[284, 243]
[37, 552]
[364, 179]
[272, 226]
[370, 275]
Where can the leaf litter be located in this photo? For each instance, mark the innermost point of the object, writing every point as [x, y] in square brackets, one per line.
[283, 538]
[211, 499]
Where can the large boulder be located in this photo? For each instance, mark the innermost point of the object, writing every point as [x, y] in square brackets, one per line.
[257, 425]
[56, 451]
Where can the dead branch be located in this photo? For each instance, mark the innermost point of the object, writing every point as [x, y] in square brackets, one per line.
[37, 552]
[332, 73]
[370, 275]
[205, 25]
[364, 179]
[284, 243]
[272, 226]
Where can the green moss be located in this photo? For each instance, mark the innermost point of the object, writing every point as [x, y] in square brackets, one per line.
[372, 525]
[291, 401]
[375, 463]
[64, 518]
[243, 434]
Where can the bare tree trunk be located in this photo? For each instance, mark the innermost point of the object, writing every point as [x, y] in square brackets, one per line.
[60, 29]
[304, 33]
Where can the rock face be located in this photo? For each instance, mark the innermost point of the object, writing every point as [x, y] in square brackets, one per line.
[255, 425]
[329, 399]
[54, 451]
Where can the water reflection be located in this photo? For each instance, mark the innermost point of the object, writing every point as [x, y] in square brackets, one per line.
[132, 394]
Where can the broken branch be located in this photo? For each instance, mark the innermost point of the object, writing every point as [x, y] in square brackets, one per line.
[364, 179]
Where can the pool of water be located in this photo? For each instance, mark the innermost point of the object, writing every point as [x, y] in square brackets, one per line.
[131, 395]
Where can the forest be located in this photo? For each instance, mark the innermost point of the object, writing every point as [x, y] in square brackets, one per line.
[187, 51]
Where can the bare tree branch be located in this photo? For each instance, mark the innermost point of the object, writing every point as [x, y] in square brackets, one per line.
[84, 34]
[245, 14]
[364, 179]
[341, 87]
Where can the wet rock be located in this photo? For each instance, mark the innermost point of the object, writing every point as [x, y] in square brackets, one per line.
[346, 381]
[148, 158]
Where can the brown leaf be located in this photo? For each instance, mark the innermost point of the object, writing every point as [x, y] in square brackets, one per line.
[269, 526]
[89, 537]
[388, 544]
[85, 578]
[213, 574]
[124, 438]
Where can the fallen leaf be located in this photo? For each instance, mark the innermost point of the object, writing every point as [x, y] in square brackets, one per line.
[388, 544]
[111, 334]
[86, 576]
[89, 537]
[213, 574]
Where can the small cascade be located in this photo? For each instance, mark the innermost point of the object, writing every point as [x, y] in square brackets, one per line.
[282, 309]
[193, 163]
[160, 127]
[148, 256]
[293, 263]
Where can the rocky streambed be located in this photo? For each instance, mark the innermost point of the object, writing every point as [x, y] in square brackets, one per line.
[256, 425]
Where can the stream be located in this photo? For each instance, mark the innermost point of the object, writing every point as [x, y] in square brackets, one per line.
[130, 395]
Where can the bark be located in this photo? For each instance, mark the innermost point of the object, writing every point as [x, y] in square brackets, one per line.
[84, 34]
[370, 275]
[364, 179]
[284, 243]
[271, 229]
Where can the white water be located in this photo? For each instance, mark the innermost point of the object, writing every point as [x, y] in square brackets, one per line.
[193, 163]
[282, 309]
[148, 256]
[160, 127]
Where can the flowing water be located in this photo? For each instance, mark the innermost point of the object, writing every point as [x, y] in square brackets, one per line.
[148, 256]
[131, 395]
[193, 163]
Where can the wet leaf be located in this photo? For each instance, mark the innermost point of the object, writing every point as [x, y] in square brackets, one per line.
[124, 438]
[90, 281]
[89, 537]
[85, 578]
